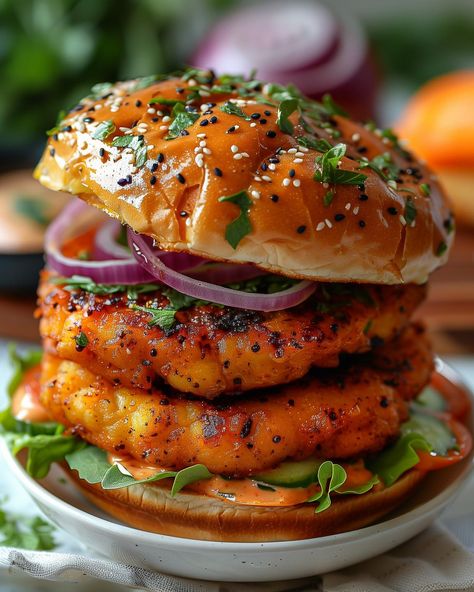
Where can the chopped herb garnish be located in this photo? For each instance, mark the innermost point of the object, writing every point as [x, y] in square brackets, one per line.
[182, 120]
[319, 144]
[78, 282]
[410, 211]
[99, 90]
[425, 189]
[164, 101]
[57, 128]
[383, 165]
[161, 317]
[136, 143]
[332, 107]
[240, 226]
[33, 533]
[328, 171]
[233, 109]
[104, 130]
[328, 197]
[147, 81]
[442, 248]
[285, 109]
[81, 340]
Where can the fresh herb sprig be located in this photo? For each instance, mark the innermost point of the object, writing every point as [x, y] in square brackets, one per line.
[240, 226]
[328, 170]
[34, 533]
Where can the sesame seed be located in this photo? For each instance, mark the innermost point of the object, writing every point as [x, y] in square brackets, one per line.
[160, 158]
[298, 160]
[256, 194]
[304, 149]
[267, 178]
[101, 152]
[202, 143]
[207, 151]
[296, 183]
[320, 226]
[245, 154]
[299, 154]
[271, 134]
[163, 127]
[180, 178]
[197, 149]
[151, 111]
[255, 115]
[271, 167]
[274, 197]
[286, 182]
[124, 129]
[355, 137]
[267, 112]
[253, 124]
[138, 103]
[292, 173]
[183, 214]
[292, 150]
[213, 119]
[339, 217]
[217, 172]
[199, 160]
[328, 223]
[122, 182]
[355, 211]
[301, 229]
[231, 129]
[200, 135]
[237, 156]
[152, 180]
[204, 122]
[362, 223]
[363, 197]
[258, 179]
[402, 220]
[392, 211]
[348, 206]
[166, 118]
[234, 148]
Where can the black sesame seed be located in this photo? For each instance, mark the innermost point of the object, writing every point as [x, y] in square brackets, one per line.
[292, 173]
[146, 363]
[204, 122]
[141, 137]
[183, 214]
[231, 129]
[129, 178]
[155, 119]
[332, 415]
[179, 90]
[384, 402]
[363, 197]
[208, 112]
[138, 103]
[255, 116]
[267, 112]
[88, 119]
[55, 137]
[255, 348]
[152, 180]
[301, 229]
[276, 439]
[339, 217]
[52, 151]
[122, 182]
[154, 167]
[275, 197]
[271, 134]
[153, 353]
[392, 211]
[184, 133]
[68, 128]
[334, 327]
[274, 160]
[362, 223]
[217, 172]
[160, 158]
[181, 179]
[362, 149]
[361, 187]
[291, 402]
[101, 152]
[263, 121]
[213, 119]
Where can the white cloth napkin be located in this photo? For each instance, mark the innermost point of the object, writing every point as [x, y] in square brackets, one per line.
[433, 561]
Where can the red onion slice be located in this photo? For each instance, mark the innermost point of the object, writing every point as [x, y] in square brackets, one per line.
[143, 251]
[111, 271]
[105, 242]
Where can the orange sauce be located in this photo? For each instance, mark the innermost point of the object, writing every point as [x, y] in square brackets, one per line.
[80, 245]
[26, 404]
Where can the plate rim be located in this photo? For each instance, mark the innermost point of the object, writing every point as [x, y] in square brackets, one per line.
[35, 489]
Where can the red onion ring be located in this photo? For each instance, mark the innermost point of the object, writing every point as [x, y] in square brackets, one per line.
[111, 271]
[105, 242]
[143, 252]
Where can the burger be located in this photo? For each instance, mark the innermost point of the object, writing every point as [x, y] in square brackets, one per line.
[226, 313]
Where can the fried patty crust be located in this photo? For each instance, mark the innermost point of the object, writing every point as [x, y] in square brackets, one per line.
[338, 413]
[212, 350]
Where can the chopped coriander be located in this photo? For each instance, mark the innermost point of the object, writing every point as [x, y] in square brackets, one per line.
[182, 120]
[240, 226]
[442, 248]
[146, 81]
[160, 317]
[332, 107]
[410, 211]
[57, 128]
[104, 130]
[136, 143]
[425, 189]
[319, 144]
[81, 340]
[328, 197]
[285, 109]
[78, 282]
[233, 109]
[164, 101]
[33, 533]
[328, 171]
[383, 165]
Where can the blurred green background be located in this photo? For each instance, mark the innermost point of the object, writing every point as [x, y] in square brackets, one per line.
[53, 51]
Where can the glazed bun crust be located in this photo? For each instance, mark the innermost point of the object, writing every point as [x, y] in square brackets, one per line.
[361, 236]
[190, 515]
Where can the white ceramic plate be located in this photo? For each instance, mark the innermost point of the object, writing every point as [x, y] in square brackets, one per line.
[59, 499]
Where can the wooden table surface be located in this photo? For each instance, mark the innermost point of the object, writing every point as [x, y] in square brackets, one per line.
[448, 312]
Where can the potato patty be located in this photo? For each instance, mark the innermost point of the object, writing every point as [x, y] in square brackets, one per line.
[334, 413]
[213, 350]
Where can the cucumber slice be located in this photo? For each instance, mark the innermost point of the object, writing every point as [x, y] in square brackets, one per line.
[431, 399]
[291, 474]
[433, 430]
